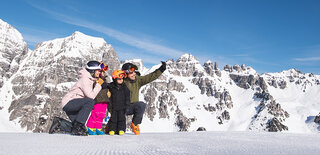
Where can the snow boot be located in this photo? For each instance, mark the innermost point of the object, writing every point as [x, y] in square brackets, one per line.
[121, 132]
[79, 129]
[111, 133]
[92, 131]
[135, 129]
[55, 126]
[100, 132]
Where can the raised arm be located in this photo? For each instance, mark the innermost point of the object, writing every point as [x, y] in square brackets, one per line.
[152, 76]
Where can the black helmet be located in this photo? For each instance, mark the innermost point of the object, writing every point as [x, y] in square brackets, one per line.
[93, 66]
[129, 66]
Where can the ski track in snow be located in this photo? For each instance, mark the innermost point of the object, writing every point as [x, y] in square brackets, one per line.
[162, 143]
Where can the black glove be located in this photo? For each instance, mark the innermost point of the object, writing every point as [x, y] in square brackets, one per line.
[163, 67]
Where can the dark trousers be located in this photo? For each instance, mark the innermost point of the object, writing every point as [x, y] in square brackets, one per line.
[79, 109]
[137, 110]
[117, 121]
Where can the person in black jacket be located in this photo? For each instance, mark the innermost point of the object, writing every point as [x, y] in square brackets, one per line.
[120, 99]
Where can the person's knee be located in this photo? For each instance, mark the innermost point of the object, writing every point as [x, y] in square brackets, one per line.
[89, 103]
[141, 106]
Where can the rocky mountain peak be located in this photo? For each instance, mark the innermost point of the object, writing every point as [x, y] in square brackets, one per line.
[188, 65]
[9, 32]
[12, 50]
[187, 58]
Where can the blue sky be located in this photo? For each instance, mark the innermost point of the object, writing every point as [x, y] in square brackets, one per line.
[268, 35]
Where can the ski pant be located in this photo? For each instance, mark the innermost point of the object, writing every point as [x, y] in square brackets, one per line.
[137, 110]
[117, 121]
[97, 115]
[79, 109]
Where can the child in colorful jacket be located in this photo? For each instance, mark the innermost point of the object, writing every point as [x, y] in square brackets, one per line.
[98, 112]
[120, 99]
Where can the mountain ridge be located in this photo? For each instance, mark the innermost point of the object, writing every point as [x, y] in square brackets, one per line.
[187, 96]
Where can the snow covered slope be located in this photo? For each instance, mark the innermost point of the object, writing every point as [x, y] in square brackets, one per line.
[188, 95]
[13, 50]
[162, 143]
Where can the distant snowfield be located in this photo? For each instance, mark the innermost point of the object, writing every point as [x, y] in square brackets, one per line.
[162, 143]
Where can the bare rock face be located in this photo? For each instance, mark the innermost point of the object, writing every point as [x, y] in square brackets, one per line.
[182, 121]
[201, 129]
[49, 73]
[270, 114]
[276, 110]
[167, 102]
[177, 86]
[243, 81]
[224, 100]
[249, 81]
[283, 84]
[264, 95]
[217, 70]
[187, 64]
[209, 107]
[110, 57]
[224, 116]
[150, 98]
[216, 66]
[274, 125]
[208, 66]
[227, 68]
[205, 85]
[236, 68]
[317, 118]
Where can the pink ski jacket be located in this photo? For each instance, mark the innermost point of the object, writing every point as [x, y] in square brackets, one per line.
[82, 89]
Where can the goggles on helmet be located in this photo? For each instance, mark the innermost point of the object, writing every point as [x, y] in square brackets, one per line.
[131, 70]
[104, 67]
[122, 75]
[118, 74]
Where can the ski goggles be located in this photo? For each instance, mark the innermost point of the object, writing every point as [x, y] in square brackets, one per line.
[123, 75]
[104, 67]
[119, 76]
[131, 70]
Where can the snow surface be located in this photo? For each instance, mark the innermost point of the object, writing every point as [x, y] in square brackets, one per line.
[162, 143]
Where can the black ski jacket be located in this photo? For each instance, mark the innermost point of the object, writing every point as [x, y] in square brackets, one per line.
[120, 96]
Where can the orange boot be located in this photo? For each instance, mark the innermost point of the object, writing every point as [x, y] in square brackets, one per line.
[135, 129]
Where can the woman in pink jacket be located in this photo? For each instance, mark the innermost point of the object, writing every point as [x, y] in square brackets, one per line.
[78, 102]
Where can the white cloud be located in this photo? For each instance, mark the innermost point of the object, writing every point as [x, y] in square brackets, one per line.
[307, 59]
[151, 47]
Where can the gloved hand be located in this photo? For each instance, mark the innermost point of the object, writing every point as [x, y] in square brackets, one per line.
[163, 67]
[100, 81]
[109, 94]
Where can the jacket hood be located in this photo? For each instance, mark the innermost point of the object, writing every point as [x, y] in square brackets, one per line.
[84, 73]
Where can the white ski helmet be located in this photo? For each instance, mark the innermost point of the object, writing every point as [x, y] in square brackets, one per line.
[93, 66]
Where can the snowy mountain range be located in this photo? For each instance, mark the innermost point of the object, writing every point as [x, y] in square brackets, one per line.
[187, 96]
